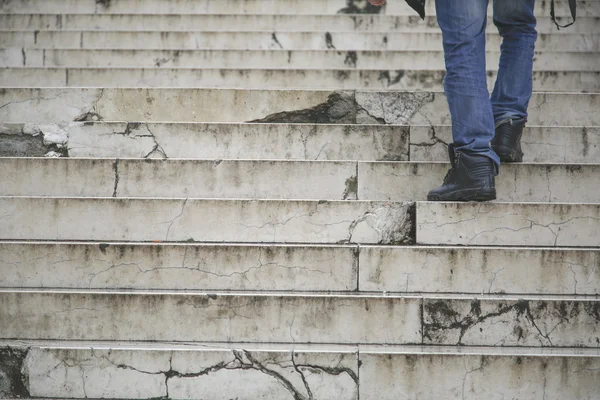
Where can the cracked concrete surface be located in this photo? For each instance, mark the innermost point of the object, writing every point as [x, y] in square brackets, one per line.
[480, 271]
[284, 221]
[511, 323]
[238, 141]
[230, 317]
[202, 105]
[505, 224]
[99, 373]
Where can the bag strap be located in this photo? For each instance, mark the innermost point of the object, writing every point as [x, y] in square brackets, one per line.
[572, 7]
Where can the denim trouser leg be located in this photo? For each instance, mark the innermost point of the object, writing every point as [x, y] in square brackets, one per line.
[516, 23]
[463, 24]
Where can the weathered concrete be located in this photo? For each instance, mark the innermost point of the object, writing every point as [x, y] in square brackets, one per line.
[268, 40]
[550, 183]
[293, 141]
[114, 373]
[173, 267]
[479, 270]
[300, 268]
[509, 224]
[289, 7]
[315, 180]
[267, 179]
[300, 59]
[343, 79]
[403, 375]
[242, 141]
[248, 22]
[386, 372]
[33, 140]
[11, 382]
[205, 105]
[542, 144]
[23, 218]
[217, 317]
[510, 322]
[302, 318]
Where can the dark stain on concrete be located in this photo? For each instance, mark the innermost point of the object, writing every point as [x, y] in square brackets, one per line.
[12, 383]
[360, 7]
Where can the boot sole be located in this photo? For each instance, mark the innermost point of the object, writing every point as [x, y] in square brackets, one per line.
[508, 155]
[477, 194]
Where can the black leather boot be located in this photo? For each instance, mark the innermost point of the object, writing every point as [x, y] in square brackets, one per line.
[507, 142]
[471, 178]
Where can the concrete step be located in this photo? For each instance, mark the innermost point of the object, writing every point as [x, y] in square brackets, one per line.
[299, 318]
[273, 59]
[285, 7]
[478, 270]
[541, 144]
[226, 267]
[247, 22]
[540, 183]
[276, 372]
[343, 41]
[194, 220]
[214, 141]
[181, 266]
[509, 224]
[343, 79]
[207, 105]
[63, 177]
[264, 179]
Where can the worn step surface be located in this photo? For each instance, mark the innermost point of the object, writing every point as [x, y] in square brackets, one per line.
[541, 144]
[276, 372]
[265, 179]
[289, 7]
[509, 224]
[544, 144]
[180, 266]
[180, 220]
[210, 141]
[299, 318]
[573, 42]
[248, 22]
[274, 59]
[336, 79]
[206, 105]
[348, 268]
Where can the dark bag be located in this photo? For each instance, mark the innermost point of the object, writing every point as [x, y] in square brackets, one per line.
[419, 6]
[572, 7]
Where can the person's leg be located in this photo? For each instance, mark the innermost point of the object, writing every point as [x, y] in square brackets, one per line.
[516, 23]
[463, 24]
[474, 163]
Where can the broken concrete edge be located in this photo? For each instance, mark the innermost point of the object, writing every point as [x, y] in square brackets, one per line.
[34, 140]
[357, 107]
[52, 140]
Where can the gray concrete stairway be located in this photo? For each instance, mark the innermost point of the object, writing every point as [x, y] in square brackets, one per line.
[224, 199]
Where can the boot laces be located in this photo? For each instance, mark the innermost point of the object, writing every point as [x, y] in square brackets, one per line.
[452, 170]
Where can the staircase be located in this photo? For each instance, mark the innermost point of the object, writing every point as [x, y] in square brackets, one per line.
[224, 199]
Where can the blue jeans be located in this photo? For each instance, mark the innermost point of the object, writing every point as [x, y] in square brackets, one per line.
[474, 114]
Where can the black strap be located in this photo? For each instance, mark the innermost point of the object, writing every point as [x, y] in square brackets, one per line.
[572, 6]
